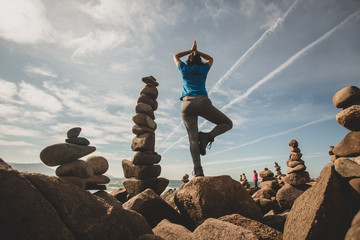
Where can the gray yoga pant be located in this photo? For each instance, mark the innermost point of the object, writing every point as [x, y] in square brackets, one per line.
[200, 105]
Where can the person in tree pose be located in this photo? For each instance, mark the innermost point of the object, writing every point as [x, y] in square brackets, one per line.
[195, 103]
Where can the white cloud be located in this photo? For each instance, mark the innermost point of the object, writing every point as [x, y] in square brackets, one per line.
[96, 42]
[7, 143]
[43, 71]
[38, 98]
[7, 90]
[12, 130]
[24, 21]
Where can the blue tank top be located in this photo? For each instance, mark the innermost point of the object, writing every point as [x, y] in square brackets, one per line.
[194, 78]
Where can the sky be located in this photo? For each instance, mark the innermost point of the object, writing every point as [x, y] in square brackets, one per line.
[79, 63]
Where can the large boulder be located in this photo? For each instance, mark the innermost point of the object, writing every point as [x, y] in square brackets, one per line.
[287, 195]
[154, 209]
[261, 230]
[169, 230]
[205, 197]
[214, 229]
[25, 211]
[321, 212]
[354, 231]
[86, 215]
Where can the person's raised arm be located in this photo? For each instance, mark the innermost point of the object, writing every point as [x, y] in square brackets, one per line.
[182, 54]
[179, 55]
[208, 59]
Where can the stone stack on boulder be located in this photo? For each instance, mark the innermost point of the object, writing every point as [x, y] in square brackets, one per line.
[143, 170]
[85, 174]
[279, 175]
[296, 178]
[244, 181]
[346, 155]
[296, 174]
[265, 196]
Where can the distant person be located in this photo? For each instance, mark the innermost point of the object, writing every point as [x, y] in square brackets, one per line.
[195, 102]
[255, 178]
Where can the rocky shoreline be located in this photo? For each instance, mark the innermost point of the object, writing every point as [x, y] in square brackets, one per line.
[291, 206]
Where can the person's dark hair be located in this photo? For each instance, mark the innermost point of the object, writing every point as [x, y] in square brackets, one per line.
[194, 59]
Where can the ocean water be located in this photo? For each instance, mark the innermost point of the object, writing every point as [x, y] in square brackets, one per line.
[116, 183]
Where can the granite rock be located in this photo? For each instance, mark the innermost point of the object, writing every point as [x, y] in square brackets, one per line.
[76, 168]
[169, 230]
[205, 197]
[99, 164]
[141, 158]
[143, 142]
[73, 132]
[135, 186]
[140, 171]
[78, 141]
[347, 168]
[346, 96]
[61, 153]
[144, 119]
[349, 146]
[350, 118]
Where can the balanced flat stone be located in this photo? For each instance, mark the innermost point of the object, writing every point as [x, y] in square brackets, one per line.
[78, 181]
[140, 171]
[349, 146]
[140, 129]
[297, 168]
[143, 142]
[78, 141]
[294, 149]
[77, 168]
[61, 153]
[151, 91]
[297, 179]
[145, 108]
[95, 187]
[141, 158]
[148, 100]
[346, 96]
[99, 164]
[294, 163]
[97, 179]
[350, 118]
[347, 168]
[294, 156]
[74, 132]
[135, 186]
[143, 119]
[151, 80]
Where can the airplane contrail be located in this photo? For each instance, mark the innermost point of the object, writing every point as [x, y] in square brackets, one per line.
[251, 49]
[290, 61]
[276, 134]
[236, 65]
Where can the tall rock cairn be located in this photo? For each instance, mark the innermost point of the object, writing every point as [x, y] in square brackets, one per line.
[296, 174]
[86, 174]
[346, 155]
[143, 170]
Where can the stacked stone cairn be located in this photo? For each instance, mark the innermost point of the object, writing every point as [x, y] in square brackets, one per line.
[279, 175]
[143, 170]
[244, 181]
[296, 179]
[296, 174]
[185, 178]
[265, 196]
[346, 154]
[86, 174]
